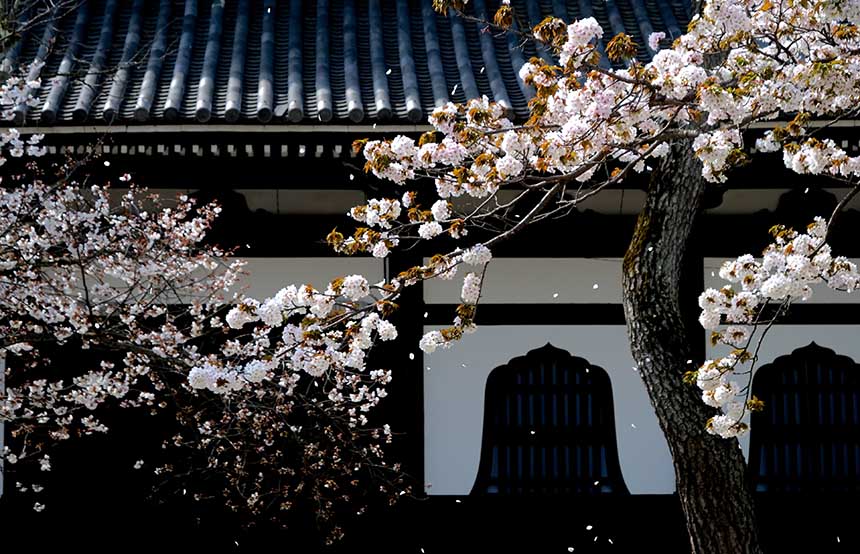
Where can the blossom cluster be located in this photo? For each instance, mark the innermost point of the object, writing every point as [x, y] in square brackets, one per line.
[17, 91]
[741, 62]
[788, 270]
[127, 278]
[301, 356]
[74, 263]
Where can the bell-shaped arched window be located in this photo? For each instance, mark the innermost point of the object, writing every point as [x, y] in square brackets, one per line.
[549, 428]
[807, 438]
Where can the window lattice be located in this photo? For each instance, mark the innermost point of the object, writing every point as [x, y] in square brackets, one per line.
[807, 438]
[549, 428]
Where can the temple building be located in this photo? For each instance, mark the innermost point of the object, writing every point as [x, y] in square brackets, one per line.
[535, 431]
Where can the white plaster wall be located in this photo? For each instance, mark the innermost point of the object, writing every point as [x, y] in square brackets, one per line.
[783, 339]
[821, 293]
[538, 281]
[268, 275]
[750, 200]
[454, 398]
[263, 277]
[276, 201]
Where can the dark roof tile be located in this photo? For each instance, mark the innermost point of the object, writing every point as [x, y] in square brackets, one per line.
[250, 61]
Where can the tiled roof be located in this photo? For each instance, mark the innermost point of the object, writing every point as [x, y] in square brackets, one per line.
[236, 61]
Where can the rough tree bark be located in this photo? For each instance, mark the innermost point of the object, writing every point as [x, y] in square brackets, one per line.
[709, 471]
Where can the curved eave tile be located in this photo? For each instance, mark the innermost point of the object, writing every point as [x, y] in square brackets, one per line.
[381, 95]
[206, 85]
[97, 65]
[434, 54]
[488, 53]
[461, 51]
[407, 63]
[19, 114]
[121, 77]
[233, 108]
[176, 92]
[354, 106]
[295, 94]
[325, 107]
[146, 96]
[61, 82]
[266, 83]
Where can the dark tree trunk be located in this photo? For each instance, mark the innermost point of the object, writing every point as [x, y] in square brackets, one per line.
[709, 471]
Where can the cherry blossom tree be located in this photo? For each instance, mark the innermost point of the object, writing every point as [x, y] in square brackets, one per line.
[275, 394]
[110, 299]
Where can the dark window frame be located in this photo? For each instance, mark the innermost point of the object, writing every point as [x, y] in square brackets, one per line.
[807, 438]
[579, 457]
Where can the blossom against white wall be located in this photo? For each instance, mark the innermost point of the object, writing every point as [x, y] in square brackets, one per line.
[759, 290]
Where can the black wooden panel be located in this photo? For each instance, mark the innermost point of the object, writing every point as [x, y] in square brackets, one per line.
[807, 439]
[549, 428]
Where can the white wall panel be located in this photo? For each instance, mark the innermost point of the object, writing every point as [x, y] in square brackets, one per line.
[454, 402]
[268, 275]
[783, 339]
[822, 294]
[741, 200]
[320, 201]
[538, 281]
